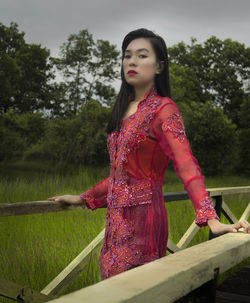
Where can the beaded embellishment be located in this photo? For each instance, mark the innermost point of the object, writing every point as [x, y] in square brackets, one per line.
[206, 212]
[120, 144]
[175, 125]
[90, 201]
[120, 250]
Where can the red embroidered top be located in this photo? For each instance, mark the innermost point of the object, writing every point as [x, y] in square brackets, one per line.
[139, 156]
[136, 222]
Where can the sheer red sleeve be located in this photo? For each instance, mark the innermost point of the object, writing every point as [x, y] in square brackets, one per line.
[169, 129]
[97, 195]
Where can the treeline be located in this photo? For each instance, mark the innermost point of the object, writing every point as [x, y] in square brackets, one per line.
[43, 118]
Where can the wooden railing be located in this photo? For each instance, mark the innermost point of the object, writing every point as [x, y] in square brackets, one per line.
[64, 278]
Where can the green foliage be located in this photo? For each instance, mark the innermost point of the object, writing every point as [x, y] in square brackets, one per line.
[218, 71]
[213, 137]
[79, 140]
[245, 136]
[88, 68]
[184, 84]
[24, 72]
[18, 132]
[92, 135]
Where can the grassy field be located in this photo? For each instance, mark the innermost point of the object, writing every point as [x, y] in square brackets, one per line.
[35, 248]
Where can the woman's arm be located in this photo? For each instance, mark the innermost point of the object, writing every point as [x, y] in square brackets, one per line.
[92, 198]
[97, 195]
[169, 129]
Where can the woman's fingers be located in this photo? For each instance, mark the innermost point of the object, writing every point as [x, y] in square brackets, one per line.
[242, 225]
[51, 198]
[70, 199]
[56, 199]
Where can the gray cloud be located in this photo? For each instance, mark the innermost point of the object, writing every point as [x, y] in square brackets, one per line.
[50, 22]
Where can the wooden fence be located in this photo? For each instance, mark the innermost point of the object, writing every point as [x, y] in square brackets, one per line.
[63, 279]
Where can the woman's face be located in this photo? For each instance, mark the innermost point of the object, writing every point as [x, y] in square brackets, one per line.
[140, 57]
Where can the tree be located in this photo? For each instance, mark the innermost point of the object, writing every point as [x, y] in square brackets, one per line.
[245, 136]
[79, 140]
[220, 71]
[88, 68]
[213, 137]
[184, 84]
[18, 132]
[24, 72]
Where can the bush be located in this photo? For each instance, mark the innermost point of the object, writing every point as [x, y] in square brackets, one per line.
[18, 132]
[213, 137]
[78, 140]
[245, 136]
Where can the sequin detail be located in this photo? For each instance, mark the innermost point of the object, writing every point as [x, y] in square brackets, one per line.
[88, 197]
[176, 126]
[205, 212]
[120, 144]
[120, 250]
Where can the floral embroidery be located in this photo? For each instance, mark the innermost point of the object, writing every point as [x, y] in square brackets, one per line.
[206, 212]
[120, 251]
[90, 201]
[120, 144]
[176, 126]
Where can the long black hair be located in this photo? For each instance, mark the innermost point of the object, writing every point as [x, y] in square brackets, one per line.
[161, 80]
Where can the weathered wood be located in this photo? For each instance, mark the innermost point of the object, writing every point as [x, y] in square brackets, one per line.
[175, 196]
[170, 277]
[74, 268]
[246, 213]
[35, 207]
[228, 213]
[19, 293]
[188, 236]
[172, 247]
[228, 190]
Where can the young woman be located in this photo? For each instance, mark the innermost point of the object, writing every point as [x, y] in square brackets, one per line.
[145, 131]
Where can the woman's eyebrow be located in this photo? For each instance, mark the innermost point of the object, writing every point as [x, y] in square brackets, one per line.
[138, 50]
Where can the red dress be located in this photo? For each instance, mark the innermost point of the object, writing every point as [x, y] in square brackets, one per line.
[136, 222]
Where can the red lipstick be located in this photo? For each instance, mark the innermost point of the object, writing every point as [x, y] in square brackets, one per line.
[132, 72]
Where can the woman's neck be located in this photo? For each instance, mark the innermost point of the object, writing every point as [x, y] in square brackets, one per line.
[141, 91]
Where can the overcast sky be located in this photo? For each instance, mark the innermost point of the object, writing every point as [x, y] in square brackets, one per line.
[50, 22]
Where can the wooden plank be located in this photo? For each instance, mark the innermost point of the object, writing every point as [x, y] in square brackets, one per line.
[170, 277]
[35, 207]
[228, 190]
[172, 247]
[19, 293]
[228, 213]
[246, 213]
[74, 268]
[188, 236]
[175, 196]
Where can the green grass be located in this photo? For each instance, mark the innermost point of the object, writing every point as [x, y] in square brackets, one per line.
[35, 248]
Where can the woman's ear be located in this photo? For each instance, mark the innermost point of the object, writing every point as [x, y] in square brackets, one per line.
[160, 67]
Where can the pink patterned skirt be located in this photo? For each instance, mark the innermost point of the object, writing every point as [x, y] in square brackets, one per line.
[134, 236]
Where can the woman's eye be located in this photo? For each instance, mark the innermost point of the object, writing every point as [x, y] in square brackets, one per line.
[126, 56]
[143, 56]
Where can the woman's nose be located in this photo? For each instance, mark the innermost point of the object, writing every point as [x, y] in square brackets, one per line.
[132, 62]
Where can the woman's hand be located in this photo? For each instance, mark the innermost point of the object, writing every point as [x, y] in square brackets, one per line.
[70, 199]
[220, 228]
